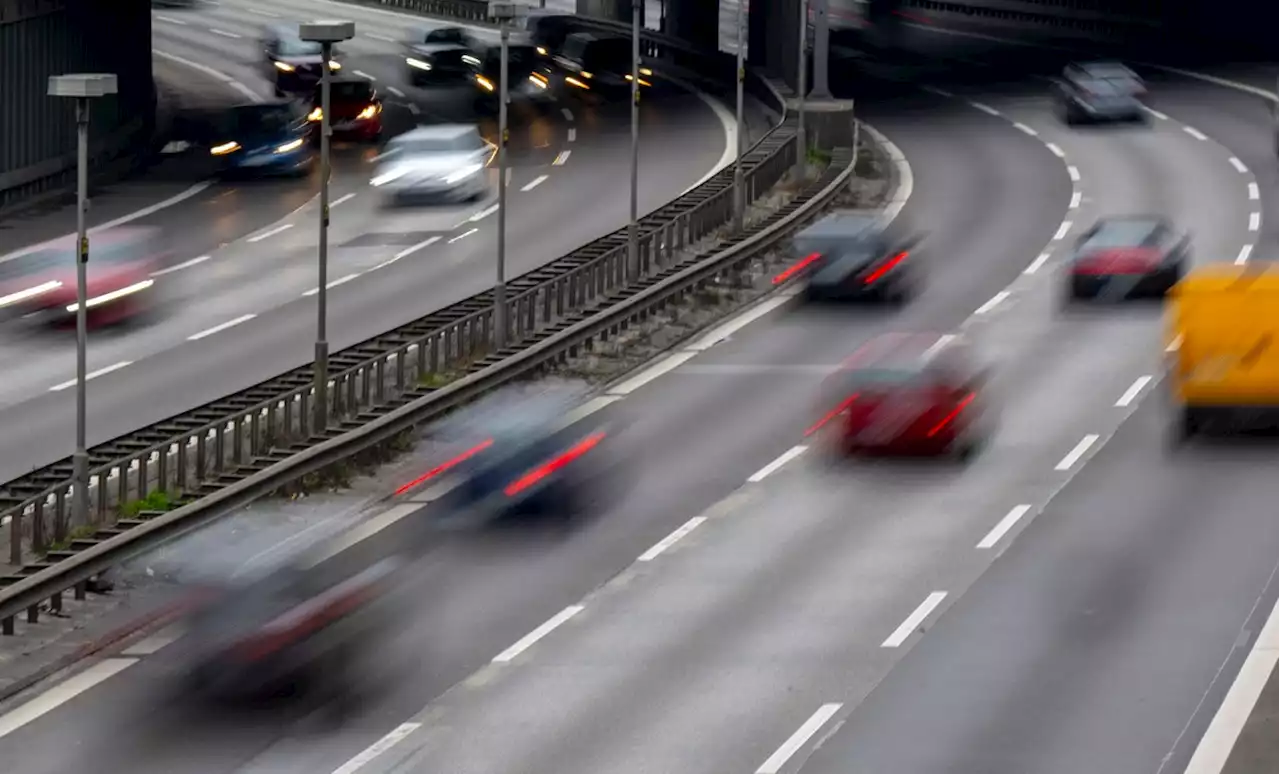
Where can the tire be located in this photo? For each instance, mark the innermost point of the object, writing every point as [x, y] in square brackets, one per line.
[1184, 426]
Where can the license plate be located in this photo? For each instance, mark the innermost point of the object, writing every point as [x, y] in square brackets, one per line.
[344, 125]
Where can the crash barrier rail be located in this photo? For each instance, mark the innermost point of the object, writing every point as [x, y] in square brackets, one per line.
[196, 458]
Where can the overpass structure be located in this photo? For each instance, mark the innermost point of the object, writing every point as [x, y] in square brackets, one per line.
[39, 38]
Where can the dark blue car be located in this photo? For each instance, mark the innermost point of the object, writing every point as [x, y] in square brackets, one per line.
[263, 139]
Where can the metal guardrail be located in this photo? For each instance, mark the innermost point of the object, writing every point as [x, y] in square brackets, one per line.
[199, 458]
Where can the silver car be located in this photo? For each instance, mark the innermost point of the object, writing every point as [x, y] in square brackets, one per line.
[1101, 92]
[440, 162]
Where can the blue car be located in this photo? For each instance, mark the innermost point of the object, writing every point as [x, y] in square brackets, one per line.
[264, 139]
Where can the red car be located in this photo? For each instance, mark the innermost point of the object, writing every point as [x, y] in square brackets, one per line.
[38, 285]
[356, 106]
[907, 394]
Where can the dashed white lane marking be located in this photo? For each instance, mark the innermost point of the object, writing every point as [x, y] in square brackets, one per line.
[415, 248]
[534, 183]
[270, 233]
[363, 74]
[803, 734]
[1056, 150]
[1134, 390]
[1079, 451]
[184, 265]
[383, 38]
[1156, 113]
[1255, 221]
[561, 158]
[993, 302]
[224, 33]
[1062, 230]
[1036, 264]
[1194, 132]
[573, 134]
[168, 19]
[1253, 192]
[482, 214]
[1074, 172]
[378, 748]
[52, 699]
[772, 467]
[219, 328]
[1245, 252]
[91, 375]
[341, 199]
[1076, 196]
[527, 641]
[331, 285]
[1239, 165]
[1003, 526]
[985, 108]
[939, 92]
[567, 113]
[268, 14]
[464, 235]
[671, 540]
[1175, 344]
[1021, 127]
[914, 621]
[942, 343]
[395, 91]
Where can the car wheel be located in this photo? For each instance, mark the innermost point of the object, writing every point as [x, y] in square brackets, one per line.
[1184, 426]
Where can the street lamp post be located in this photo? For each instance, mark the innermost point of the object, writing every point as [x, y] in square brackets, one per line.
[740, 195]
[81, 87]
[802, 74]
[326, 33]
[633, 226]
[504, 14]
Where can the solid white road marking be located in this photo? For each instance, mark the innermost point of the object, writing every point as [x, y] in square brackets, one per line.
[62, 693]
[1076, 196]
[527, 641]
[224, 33]
[1210, 756]
[671, 540]
[773, 467]
[184, 265]
[797, 740]
[168, 19]
[215, 74]
[993, 302]
[661, 368]
[1155, 113]
[270, 233]
[1074, 172]
[1055, 150]
[1239, 165]
[913, 621]
[482, 214]
[341, 199]
[1194, 132]
[1137, 387]
[378, 748]
[1036, 264]
[985, 108]
[464, 235]
[363, 74]
[943, 341]
[1253, 192]
[1255, 221]
[1062, 230]
[1245, 252]
[1003, 526]
[532, 184]
[415, 248]
[1079, 451]
[91, 375]
[331, 285]
[1021, 127]
[395, 91]
[561, 158]
[219, 328]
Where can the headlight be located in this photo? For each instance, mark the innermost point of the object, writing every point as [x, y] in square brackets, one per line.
[368, 113]
[542, 51]
[315, 115]
[418, 63]
[289, 146]
[224, 148]
[284, 67]
[471, 60]
[646, 71]
[335, 64]
[586, 74]
[538, 80]
[484, 82]
[463, 174]
[569, 79]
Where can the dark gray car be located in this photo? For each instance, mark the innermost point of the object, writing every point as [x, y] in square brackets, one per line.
[851, 256]
[1100, 92]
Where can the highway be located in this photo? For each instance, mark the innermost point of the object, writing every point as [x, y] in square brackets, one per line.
[1078, 586]
[570, 168]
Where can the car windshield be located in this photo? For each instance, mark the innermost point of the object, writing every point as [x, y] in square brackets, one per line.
[259, 119]
[1107, 87]
[298, 47]
[883, 378]
[446, 35]
[426, 145]
[348, 91]
[1131, 233]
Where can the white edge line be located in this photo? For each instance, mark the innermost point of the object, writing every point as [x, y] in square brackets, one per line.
[661, 368]
[527, 641]
[985, 108]
[464, 235]
[1037, 263]
[993, 302]
[184, 265]
[270, 233]
[395, 91]
[219, 328]
[913, 621]
[415, 248]
[1155, 113]
[341, 199]
[730, 125]
[1003, 526]
[1079, 451]
[772, 467]
[92, 375]
[798, 739]
[378, 748]
[62, 693]
[672, 539]
[1137, 387]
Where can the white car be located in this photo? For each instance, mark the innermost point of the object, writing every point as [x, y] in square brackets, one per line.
[440, 162]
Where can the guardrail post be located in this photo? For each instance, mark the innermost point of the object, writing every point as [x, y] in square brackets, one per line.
[15, 539]
[182, 465]
[6, 626]
[162, 468]
[201, 455]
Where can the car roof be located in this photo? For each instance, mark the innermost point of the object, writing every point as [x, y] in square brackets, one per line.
[842, 223]
[438, 132]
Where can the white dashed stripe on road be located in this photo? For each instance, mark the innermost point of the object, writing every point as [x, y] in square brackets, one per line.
[1244, 254]
[807, 730]
[1194, 132]
[534, 183]
[1134, 390]
[1255, 221]
[1003, 526]
[270, 233]
[1074, 173]
[1056, 150]
[1079, 451]
[1062, 230]
[1239, 165]
[772, 467]
[527, 641]
[91, 375]
[985, 108]
[1021, 127]
[331, 285]
[219, 328]
[915, 620]
[1253, 192]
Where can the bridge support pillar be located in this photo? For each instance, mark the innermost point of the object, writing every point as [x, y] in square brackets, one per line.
[697, 21]
[828, 122]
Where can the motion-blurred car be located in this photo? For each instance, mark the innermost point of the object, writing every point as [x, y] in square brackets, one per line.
[548, 29]
[356, 107]
[269, 139]
[441, 162]
[294, 65]
[1100, 92]
[599, 64]
[1127, 256]
[850, 256]
[908, 394]
[38, 285]
[440, 56]
[528, 74]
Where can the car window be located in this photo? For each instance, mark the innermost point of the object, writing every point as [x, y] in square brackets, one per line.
[252, 119]
[1131, 233]
[445, 35]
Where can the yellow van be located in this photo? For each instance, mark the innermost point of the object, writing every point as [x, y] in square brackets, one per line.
[1224, 367]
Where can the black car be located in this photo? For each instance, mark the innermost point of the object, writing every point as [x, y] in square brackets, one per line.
[528, 75]
[597, 64]
[294, 65]
[851, 256]
[1100, 92]
[440, 56]
[1127, 256]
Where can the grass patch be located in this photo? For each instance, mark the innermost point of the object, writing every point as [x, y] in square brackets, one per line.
[75, 533]
[155, 501]
[437, 380]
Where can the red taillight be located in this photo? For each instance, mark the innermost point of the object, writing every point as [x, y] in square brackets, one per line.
[792, 271]
[832, 414]
[955, 412]
[1122, 261]
[444, 466]
[884, 268]
[547, 468]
